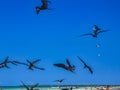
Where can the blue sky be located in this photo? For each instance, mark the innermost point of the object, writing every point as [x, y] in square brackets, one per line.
[52, 36]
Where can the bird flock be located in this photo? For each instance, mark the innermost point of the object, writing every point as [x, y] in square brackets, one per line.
[31, 65]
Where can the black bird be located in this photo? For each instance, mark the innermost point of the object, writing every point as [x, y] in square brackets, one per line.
[68, 67]
[86, 66]
[32, 87]
[43, 7]
[5, 63]
[96, 28]
[60, 80]
[96, 31]
[30, 64]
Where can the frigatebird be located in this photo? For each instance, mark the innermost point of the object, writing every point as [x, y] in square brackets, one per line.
[30, 88]
[68, 67]
[96, 31]
[59, 81]
[86, 66]
[43, 7]
[30, 64]
[5, 63]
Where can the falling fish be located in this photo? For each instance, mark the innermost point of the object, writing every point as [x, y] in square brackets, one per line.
[97, 45]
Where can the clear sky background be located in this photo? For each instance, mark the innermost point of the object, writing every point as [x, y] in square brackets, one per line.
[52, 36]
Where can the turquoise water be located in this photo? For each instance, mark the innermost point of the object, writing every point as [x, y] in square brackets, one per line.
[22, 88]
[43, 87]
[74, 87]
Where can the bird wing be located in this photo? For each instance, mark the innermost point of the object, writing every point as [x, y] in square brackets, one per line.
[90, 69]
[44, 2]
[68, 62]
[101, 31]
[82, 61]
[59, 80]
[12, 62]
[17, 62]
[36, 61]
[61, 65]
[39, 68]
[86, 66]
[29, 61]
[33, 86]
[90, 34]
[25, 86]
[6, 60]
[62, 80]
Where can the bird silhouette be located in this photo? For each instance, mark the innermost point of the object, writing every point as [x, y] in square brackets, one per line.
[59, 81]
[86, 66]
[30, 88]
[68, 67]
[96, 31]
[5, 63]
[30, 64]
[44, 6]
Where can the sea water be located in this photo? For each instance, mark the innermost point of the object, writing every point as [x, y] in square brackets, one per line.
[46, 88]
[61, 88]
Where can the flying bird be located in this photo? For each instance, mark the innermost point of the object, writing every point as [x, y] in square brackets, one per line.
[30, 88]
[44, 6]
[5, 63]
[67, 67]
[86, 66]
[60, 80]
[30, 64]
[96, 31]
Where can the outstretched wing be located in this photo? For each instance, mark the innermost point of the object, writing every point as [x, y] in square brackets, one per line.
[33, 61]
[61, 65]
[86, 66]
[34, 86]
[44, 2]
[17, 62]
[90, 69]
[36, 61]
[81, 60]
[12, 62]
[39, 68]
[60, 80]
[101, 31]
[68, 62]
[25, 86]
[29, 61]
[87, 34]
[5, 61]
